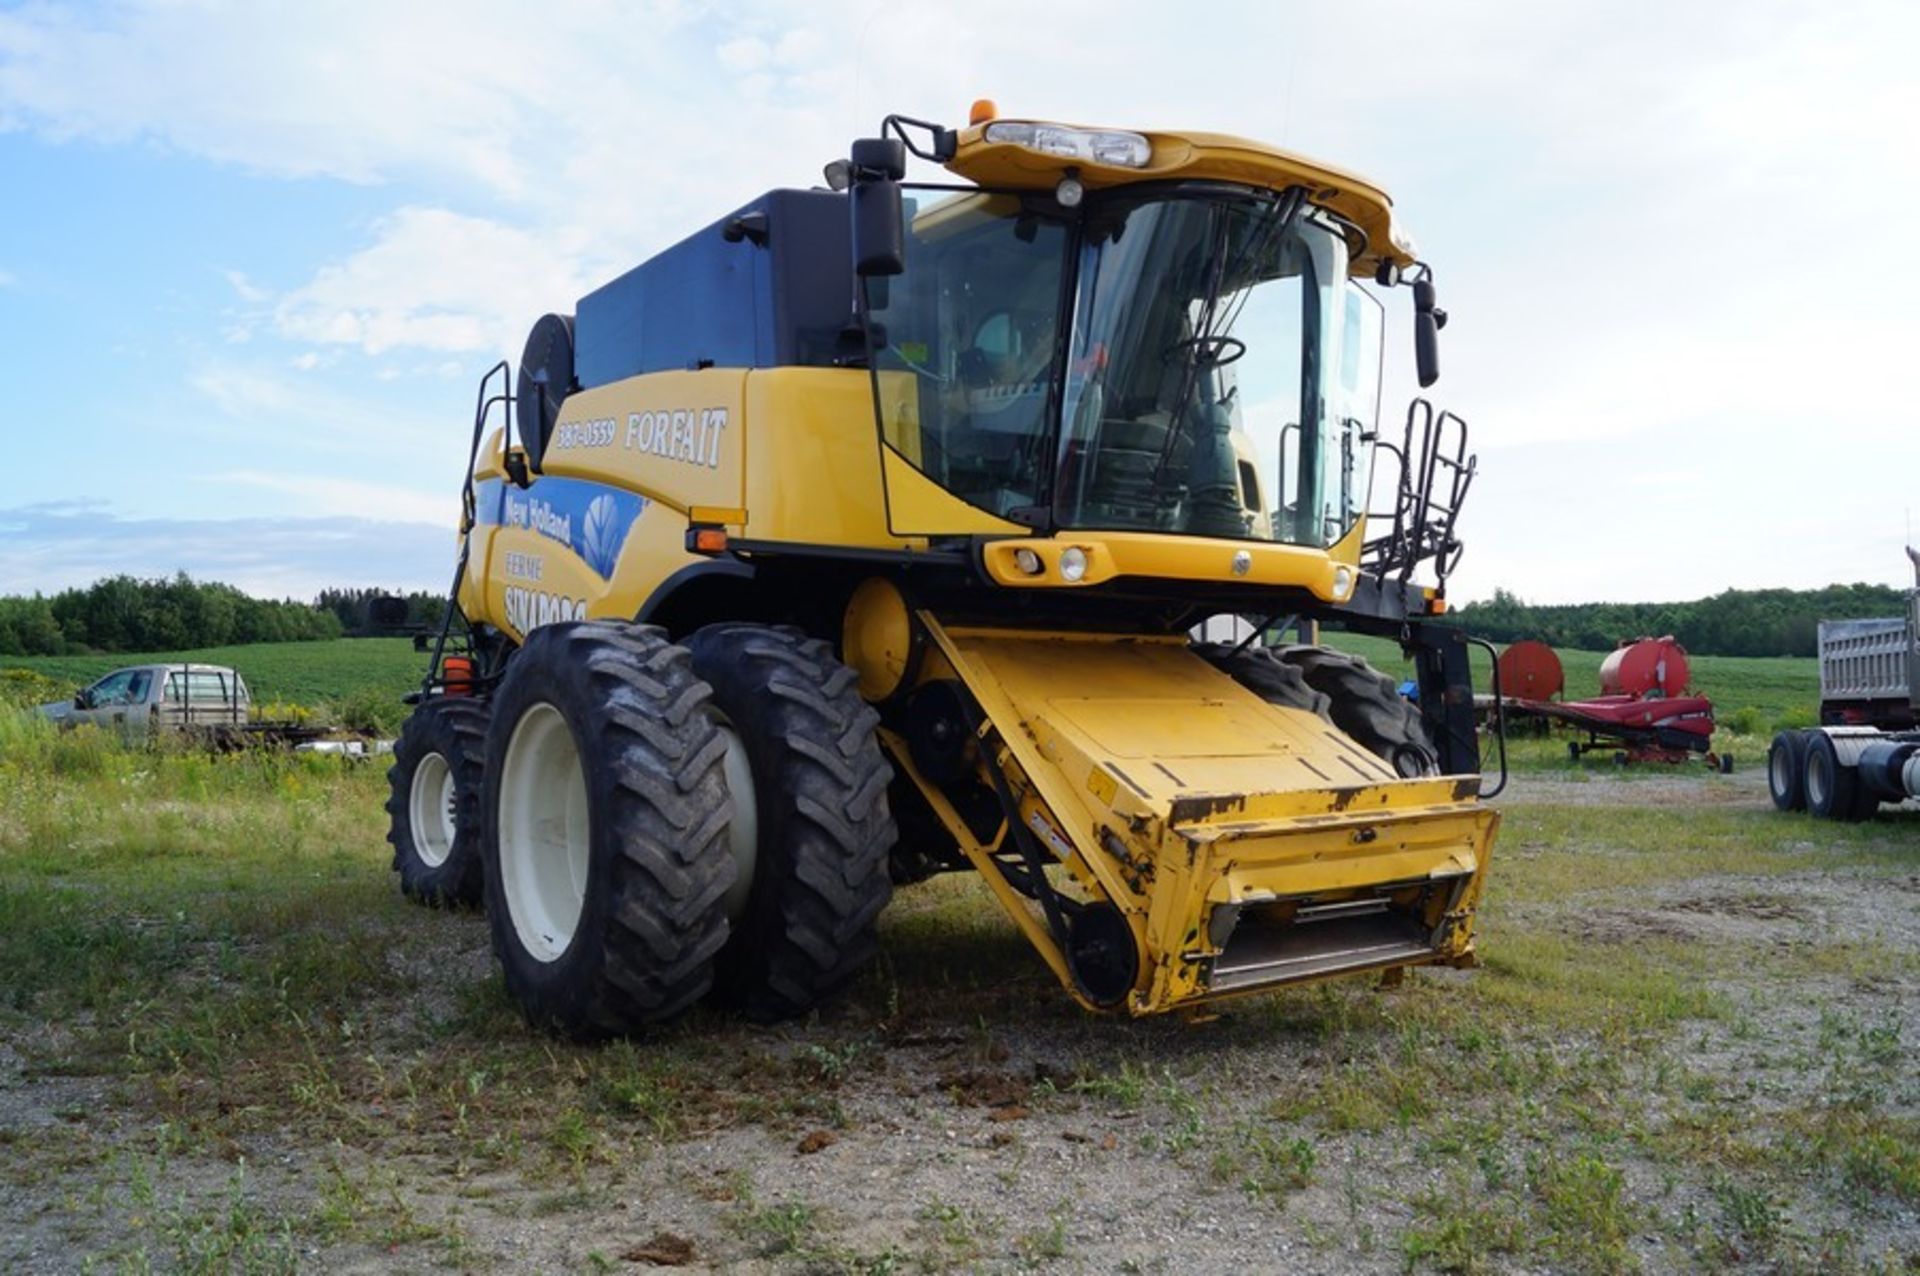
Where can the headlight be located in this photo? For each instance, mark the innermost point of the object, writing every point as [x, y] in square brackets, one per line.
[1094, 146]
[1073, 564]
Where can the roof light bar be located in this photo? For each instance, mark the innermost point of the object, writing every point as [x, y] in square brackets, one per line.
[1094, 146]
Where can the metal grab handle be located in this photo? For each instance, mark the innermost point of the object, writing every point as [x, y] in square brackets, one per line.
[1499, 719]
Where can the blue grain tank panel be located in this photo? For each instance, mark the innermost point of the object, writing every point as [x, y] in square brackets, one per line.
[706, 302]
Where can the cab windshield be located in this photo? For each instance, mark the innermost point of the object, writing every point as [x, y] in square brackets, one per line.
[1212, 371]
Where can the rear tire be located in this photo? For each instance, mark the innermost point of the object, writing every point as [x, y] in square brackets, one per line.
[824, 830]
[604, 824]
[1833, 788]
[433, 803]
[1367, 705]
[1787, 770]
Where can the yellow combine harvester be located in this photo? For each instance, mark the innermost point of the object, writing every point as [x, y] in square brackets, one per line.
[865, 535]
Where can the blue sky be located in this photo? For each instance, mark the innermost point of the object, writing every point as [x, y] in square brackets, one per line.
[253, 257]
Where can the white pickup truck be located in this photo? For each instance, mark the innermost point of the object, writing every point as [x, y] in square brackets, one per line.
[142, 698]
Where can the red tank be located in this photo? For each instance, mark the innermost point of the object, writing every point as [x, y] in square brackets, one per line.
[1530, 670]
[1649, 667]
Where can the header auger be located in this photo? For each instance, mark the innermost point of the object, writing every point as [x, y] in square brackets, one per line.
[865, 535]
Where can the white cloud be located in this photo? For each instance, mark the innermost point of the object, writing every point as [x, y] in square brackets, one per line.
[1671, 242]
[435, 280]
[244, 288]
[317, 494]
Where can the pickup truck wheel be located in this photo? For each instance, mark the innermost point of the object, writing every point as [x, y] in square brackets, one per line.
[1787, 770]
[807, 758]
[1367, 705]
[433, 803]
[604, 829]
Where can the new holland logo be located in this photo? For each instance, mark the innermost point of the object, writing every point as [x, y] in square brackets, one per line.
[528, 609]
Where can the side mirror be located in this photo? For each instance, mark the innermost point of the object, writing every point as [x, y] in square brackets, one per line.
[1426, 332]
[879, 217]
[80, 700]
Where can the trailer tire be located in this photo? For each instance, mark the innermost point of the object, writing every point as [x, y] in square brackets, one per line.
[1787, 770]
[823, 829]
[433, 803]
[1260, 671]
[1367, 705]
[604, 822]
[1834, 791]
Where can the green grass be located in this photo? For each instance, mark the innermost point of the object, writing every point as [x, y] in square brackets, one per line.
[213, 950]
[303, 673]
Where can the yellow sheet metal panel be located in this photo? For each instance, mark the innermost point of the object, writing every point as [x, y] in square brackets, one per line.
[919, 506]
[678, 438]
[1168, 789]
[1188, 155]
[1176, 557]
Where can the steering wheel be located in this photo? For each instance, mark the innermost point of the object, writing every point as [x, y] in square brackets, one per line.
[1210, 352]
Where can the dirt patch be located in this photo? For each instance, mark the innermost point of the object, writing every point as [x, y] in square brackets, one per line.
[1779, 912]
[1651, 785]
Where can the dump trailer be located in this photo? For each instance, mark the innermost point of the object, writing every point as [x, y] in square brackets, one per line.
[864, 535]
[1867, 749]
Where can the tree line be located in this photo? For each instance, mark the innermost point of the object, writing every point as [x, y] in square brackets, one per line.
[1736, 622]
[123, 613]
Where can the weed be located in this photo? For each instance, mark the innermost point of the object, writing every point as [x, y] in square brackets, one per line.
[1043, 1244]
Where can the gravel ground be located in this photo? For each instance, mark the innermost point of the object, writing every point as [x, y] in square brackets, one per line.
[1054, 1140]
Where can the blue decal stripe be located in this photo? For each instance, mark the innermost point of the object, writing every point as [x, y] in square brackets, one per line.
[591, 519]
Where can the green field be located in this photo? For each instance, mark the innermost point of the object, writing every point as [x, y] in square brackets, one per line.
[304, 673]
[1752, 697]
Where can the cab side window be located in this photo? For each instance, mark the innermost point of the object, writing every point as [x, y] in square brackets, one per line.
[111, 689]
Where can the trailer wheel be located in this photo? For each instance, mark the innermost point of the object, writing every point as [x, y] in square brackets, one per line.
[604, 824]
[1787, 770]
[1260, 671]
[1367, 705]
[1834, 791]
[433, 817]
[804, 739]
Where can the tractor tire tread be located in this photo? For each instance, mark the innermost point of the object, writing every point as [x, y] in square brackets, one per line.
[661, 824]
[1366, 704]
[1265, 674]
[456, 728]
[826, 831]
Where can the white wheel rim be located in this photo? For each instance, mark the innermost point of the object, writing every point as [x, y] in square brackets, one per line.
[430, 810]
[1782, 770]
[743, 834]
[544, 832]
[1816, 779]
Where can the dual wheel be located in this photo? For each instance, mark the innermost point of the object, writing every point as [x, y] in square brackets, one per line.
[1805, 773]
[655, 824]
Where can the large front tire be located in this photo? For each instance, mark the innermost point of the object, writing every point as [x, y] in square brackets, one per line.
[433, 803]
[822, 829]
[604, 826]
